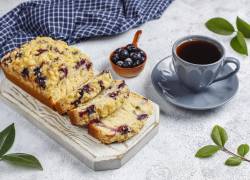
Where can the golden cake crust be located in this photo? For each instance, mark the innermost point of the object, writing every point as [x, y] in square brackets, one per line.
[47, 69]
[29, 89]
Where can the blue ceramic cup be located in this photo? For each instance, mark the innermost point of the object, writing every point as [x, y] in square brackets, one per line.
[200, 76]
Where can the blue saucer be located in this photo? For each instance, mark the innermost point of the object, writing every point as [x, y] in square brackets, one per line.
[166, 83]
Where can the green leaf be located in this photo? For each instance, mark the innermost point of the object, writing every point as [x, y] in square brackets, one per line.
[7, 138]
[207, 151]
[233, 161]
[219, 136]
[238, 43]
[243, 27]
[220, 26]
[22, 159]
[243, 149]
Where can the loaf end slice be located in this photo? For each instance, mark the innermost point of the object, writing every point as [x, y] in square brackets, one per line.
[124, 123]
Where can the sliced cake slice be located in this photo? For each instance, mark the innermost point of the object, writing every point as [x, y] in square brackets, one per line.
[86, 92]
[47, 69]
[102, 105]
[124, 123]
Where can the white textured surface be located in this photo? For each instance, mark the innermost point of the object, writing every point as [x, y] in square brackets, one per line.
[170, 155]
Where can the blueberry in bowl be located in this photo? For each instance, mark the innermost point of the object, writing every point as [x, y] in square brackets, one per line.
[129, 61]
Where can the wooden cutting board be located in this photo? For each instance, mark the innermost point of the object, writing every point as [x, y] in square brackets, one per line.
[89, 150]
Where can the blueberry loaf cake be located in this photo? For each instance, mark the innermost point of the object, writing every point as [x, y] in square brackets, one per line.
[62, 77]
[86, 92]
[124, 123]
[47, 69]
[102, 106]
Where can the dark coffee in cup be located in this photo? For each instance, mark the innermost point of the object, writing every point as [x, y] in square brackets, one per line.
[198, 52]
[198, 60]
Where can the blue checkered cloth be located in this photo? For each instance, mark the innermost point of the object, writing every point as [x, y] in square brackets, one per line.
[74, 20]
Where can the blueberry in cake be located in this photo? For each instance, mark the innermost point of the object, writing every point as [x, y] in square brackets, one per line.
[47, 69]
[101, 106]
[85, 92]
[124, 123]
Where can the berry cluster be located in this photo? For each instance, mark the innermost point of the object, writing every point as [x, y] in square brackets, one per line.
[129, 56]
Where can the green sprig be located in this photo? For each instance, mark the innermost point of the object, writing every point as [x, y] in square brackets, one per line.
[219, 137]
[221, 26]
[7, 138]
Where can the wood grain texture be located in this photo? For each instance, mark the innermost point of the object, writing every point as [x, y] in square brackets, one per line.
[77, 140]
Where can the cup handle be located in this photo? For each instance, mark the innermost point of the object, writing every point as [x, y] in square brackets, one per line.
[226, 61]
